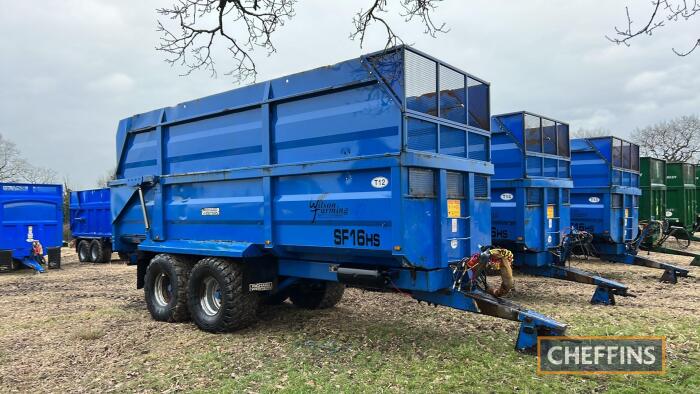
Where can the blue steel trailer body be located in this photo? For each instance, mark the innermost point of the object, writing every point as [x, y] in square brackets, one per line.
[29, 214]
[91, 224]
[378, 164]
[531, 185]
[90, 214]
[605, 200]
[530, 198]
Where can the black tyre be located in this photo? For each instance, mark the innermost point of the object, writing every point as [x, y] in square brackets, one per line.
[97, 251]
[165, 288]
[83, 250]
[124, 256]
[317, 294]
[216, 299]
[107, 253]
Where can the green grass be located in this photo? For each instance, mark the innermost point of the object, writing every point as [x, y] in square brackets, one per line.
[401, 358]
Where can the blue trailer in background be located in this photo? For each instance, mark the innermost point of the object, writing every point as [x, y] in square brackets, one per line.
[371, 173]
[605, 201]
[31, 226]
[530, 199]
[91, 225]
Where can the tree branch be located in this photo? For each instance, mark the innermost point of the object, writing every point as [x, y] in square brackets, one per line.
[663, 11]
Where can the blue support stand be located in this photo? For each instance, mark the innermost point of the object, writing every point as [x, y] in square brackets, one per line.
[33, 264]
[532, 324]
[603, 296]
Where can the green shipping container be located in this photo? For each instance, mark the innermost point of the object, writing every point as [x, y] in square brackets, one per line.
[697, 195]
[652, 203]
[681, 195]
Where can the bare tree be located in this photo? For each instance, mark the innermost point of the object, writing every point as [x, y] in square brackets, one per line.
[191, 29]
[104, 180]
[33, 174]
[662, 12]
[591, 133]
[11, 162]
[14, 168]
[674, 140]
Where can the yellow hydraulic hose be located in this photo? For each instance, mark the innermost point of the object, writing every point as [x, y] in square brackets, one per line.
[502, 259]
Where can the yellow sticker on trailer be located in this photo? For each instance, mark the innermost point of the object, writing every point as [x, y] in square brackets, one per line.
[627, 212]
[454, 209]
[550, 211]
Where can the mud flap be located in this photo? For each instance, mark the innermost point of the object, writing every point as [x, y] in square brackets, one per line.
[6, 263]
[54, 255]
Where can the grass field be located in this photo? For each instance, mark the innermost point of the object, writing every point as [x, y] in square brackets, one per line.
[86, 328]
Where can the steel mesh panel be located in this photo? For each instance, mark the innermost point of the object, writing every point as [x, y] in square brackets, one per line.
[455, 185]
[421, 83]
[565, 196]
[478, 102]
[617, 200]
[533, 133]
[452, 95]
[549, 137]
[421, 182]
[422, 135]
[563, 140]
[452, 141]
[481, 186]
[478, 147]
[534, 197]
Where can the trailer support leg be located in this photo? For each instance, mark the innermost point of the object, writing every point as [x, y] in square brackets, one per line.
[669, 276]
[606, 288]
[532, 324]
[695, 256]
[603, 296]
[33, 264]
[671, 272]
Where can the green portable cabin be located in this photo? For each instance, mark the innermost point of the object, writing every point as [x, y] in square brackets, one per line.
[681, 199]
[652, 203]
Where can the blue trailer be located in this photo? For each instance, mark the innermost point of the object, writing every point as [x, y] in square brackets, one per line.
[91, 225]
[31, 226]
[371, 173]
[605, 201]
[530, 200]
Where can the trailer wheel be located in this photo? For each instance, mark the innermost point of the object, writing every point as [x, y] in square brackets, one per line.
[84, 251]
[216, 299]
[317, 295]
[124, 256]
[97, 252]
[165, 288]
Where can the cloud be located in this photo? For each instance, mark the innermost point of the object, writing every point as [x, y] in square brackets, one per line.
[645, 80]
[112, 84]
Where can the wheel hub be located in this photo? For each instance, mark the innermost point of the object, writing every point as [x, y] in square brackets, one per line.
[162, 290]
[210, 297]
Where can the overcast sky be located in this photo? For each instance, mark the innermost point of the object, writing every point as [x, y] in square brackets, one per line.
[70, 70]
